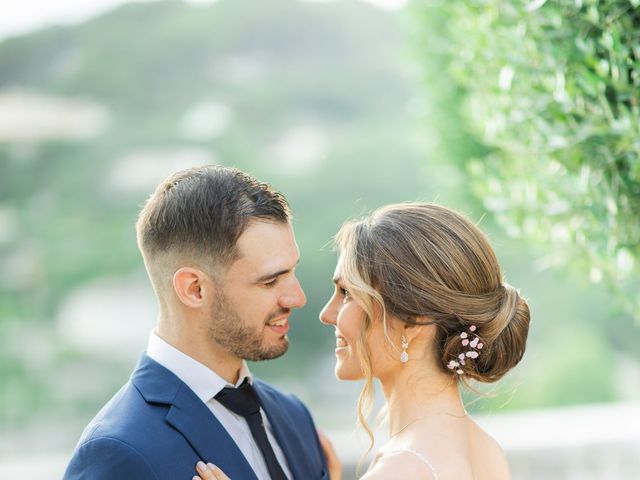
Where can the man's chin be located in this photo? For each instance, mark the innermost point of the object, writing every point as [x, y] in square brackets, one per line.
[272, 352]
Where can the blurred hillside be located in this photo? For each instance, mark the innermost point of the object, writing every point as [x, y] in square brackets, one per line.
[317, 99]
[309, 97]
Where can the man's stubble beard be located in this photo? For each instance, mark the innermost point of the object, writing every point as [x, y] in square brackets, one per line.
[228, 330]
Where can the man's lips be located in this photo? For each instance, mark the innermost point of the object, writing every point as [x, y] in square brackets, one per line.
[278, 316]
[278, 322]
[280, 325]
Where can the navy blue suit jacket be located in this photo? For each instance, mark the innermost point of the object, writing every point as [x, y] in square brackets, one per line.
[155, 427]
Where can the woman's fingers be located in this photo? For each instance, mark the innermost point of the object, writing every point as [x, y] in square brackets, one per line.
[205, 472]
[208, 471]
[333, 462]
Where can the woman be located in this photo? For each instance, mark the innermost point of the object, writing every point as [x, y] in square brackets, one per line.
[420, 304]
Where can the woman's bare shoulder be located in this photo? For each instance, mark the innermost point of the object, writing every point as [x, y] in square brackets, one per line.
[399, 464]
[488, 458]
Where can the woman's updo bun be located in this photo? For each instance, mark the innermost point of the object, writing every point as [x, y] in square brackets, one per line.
[504, 339]
[425, 261]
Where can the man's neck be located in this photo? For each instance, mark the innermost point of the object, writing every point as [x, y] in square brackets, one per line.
[202, 350]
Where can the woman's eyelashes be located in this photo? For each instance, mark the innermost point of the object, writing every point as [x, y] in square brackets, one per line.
[344, 293]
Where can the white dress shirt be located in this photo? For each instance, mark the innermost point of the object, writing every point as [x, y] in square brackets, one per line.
[205, 383]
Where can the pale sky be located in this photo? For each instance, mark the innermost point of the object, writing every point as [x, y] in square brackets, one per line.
[23, 16]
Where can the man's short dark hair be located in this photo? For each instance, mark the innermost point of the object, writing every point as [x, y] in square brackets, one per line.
[201, 212]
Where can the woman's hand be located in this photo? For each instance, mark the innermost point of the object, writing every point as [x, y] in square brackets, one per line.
[333, 462]
[208, 471]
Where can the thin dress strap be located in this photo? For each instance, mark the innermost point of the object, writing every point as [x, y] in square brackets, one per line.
[421, 457]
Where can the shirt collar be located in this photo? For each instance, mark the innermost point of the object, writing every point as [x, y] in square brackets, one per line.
[204, 382]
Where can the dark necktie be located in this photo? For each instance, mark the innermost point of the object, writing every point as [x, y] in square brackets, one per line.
[244, 401]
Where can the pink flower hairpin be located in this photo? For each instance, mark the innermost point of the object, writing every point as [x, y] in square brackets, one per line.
[473, 350]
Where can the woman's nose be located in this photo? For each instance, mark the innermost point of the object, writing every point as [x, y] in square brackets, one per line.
[327, 314]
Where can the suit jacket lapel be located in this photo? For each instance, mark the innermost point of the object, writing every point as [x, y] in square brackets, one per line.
[285, 432]
[192, 418]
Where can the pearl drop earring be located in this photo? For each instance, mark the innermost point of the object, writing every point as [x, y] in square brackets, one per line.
[404, 356]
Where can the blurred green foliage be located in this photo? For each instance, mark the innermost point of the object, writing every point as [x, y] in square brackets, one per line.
[552, 90]
[554, 163]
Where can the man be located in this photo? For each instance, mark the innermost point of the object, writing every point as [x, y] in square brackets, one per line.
[221, 254]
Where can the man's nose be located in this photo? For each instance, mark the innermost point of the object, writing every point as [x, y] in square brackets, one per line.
[295, 297]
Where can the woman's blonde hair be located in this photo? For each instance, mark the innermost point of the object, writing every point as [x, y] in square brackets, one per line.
[418, 261]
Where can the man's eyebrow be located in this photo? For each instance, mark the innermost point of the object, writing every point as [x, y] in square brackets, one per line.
[270, 276]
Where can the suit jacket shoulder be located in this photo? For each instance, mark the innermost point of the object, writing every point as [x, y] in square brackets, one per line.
[156, 428]
[104, 458]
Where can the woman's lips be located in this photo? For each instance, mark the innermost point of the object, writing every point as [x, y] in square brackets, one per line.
[341, 342]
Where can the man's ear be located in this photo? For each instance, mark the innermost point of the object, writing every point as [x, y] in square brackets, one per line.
[191, 286]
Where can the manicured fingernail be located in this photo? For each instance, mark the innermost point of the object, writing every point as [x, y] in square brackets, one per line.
[201, 466]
